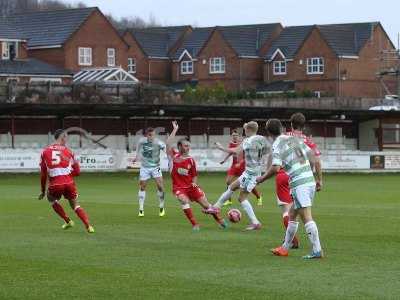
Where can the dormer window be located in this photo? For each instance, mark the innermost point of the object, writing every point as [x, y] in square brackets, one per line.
[187, 67]
[279, 67]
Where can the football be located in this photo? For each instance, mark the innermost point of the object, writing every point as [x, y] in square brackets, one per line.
[234, 215]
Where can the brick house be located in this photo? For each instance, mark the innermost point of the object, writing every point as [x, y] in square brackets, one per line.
[232, 55]
[338, 60]
[15, 64]
[72, 38]
[150, 51]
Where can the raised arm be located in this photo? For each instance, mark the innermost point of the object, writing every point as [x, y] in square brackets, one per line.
[172, 136]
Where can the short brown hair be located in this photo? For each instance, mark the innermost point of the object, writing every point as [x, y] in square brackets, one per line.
[182, 141]
[274, 127]
[253, 125]
[298, 121]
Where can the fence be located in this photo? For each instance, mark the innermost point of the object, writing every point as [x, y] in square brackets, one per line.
[56, 93]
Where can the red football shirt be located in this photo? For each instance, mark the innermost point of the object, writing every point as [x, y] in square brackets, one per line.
[183, 171]
[236, 159]
[57, 163]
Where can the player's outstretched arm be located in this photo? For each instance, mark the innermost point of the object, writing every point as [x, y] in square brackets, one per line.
[272, 170]
[237, 150]
[225, 158]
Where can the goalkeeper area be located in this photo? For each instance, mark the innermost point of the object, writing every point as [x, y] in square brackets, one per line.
[161, 258]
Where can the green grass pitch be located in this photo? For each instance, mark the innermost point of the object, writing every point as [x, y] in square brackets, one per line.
[161, 258]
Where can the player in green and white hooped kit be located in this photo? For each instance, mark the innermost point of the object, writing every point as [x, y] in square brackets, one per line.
[254, 147]
[296, 158]
[148, 153]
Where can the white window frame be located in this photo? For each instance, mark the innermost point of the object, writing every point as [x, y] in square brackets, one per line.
[217, 65]
[279, 67]
[187, 67]
[111, 57]
[5, 53]
[315, 65]
[85, 56]
[131, 65]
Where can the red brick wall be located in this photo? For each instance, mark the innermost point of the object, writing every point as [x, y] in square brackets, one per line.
[315, 46]
[22, 50]
[54, 56]
[154, 71]
[134, 51]
[98, 34]
[360, 74]
[239, 73]
[357, 76]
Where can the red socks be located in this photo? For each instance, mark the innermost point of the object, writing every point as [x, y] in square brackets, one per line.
[189, 215]
[82, 215]
[60, 211]
[256, 193]
[286, 221]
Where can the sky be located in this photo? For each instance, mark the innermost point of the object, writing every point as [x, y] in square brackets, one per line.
[235, 12]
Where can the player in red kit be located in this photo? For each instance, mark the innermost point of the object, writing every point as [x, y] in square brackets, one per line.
[184, 181]
[58, 166]
[284, 198]
[238, 166]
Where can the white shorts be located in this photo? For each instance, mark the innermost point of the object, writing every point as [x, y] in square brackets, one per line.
[247, 182]
[147, 173]
[303, 196]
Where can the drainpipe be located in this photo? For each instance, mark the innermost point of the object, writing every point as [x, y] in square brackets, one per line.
[149, 79]
[240, 74]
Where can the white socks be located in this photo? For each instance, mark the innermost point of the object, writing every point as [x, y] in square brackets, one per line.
[290, 233]
[313, 236]
[161, 196]
[249, 211]
[141, 196]
[225, 196]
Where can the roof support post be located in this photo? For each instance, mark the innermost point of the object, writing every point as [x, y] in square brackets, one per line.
[13, 131]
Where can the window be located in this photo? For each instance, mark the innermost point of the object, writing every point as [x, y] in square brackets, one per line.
[131, 65]
[111, 57]
[217, 65]
[187, 67]
[315, 65]
[85, 56]
[280, 67]
[5, 54]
